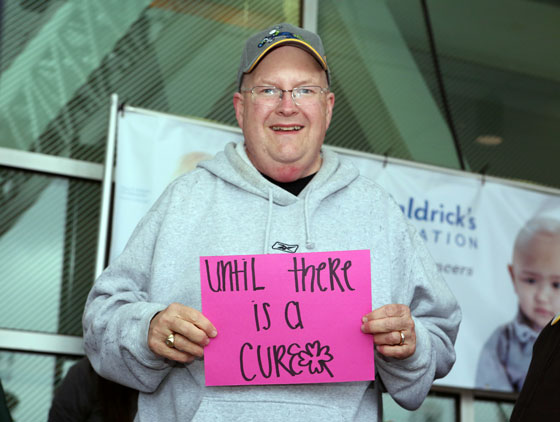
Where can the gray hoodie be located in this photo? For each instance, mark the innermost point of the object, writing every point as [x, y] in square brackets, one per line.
[225, 207]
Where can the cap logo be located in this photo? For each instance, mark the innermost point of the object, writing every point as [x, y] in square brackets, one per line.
[275, 33]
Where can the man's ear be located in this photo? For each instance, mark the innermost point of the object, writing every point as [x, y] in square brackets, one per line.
[238, 105]
[330, 106]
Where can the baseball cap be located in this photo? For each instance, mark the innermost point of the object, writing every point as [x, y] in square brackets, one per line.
[258, 45]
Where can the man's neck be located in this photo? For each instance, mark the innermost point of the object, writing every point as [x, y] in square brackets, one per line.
[294, 187]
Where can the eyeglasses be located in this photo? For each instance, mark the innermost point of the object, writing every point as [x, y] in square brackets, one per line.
[271, 96]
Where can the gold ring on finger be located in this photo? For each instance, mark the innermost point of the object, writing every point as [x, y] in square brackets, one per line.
[402, 338]
[170, 340]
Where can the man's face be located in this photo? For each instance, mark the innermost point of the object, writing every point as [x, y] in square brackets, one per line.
[284, 141]
[536, 278]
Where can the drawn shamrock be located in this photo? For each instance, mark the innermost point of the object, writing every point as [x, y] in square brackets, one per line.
[315, 357]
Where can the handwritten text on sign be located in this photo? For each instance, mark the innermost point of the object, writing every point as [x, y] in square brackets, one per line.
[287, 318]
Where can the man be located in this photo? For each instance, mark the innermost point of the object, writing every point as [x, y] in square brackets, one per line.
[84, 396]
[537, 400]
[142, 324]
[4, 410]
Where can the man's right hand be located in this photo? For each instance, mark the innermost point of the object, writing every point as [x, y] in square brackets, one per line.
[191, 329]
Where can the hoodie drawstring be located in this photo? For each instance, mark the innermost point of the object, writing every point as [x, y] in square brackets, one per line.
[268, 222]
[309, 244]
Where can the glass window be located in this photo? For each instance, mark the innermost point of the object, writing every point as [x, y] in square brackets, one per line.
[48, 235]
[383, 104]
[29, 381]
[59, 71]
[492, 410]
[448, 83]
[438, 407]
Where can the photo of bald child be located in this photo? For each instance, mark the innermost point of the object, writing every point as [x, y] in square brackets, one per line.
[535, 273]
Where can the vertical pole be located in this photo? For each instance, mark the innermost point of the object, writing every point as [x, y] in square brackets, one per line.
[107, 187]
[467, 406]
[310, 14]
[442, 90]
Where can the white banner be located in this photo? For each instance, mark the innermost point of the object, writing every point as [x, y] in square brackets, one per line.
[469, 226]
[152, 150]
[470, 229]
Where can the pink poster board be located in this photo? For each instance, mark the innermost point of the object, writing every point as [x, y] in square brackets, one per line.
[287, 318]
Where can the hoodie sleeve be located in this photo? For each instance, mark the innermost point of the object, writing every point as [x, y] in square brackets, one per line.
[416, 282]
[118, 312]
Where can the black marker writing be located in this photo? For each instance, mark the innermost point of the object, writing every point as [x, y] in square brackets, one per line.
[241, 362]
[295, 306]
[315, 274]
[265, 307]
[277, 360]
[229, 274]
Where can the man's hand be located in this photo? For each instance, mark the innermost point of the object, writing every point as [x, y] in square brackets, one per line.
[191, 329]
[393, 330]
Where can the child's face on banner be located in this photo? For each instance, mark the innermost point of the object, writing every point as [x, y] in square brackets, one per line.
[536, 278]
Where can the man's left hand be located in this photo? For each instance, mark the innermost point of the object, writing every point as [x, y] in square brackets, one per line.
[393, 331]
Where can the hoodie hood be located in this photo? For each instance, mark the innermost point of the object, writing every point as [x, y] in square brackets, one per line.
[233, 166]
